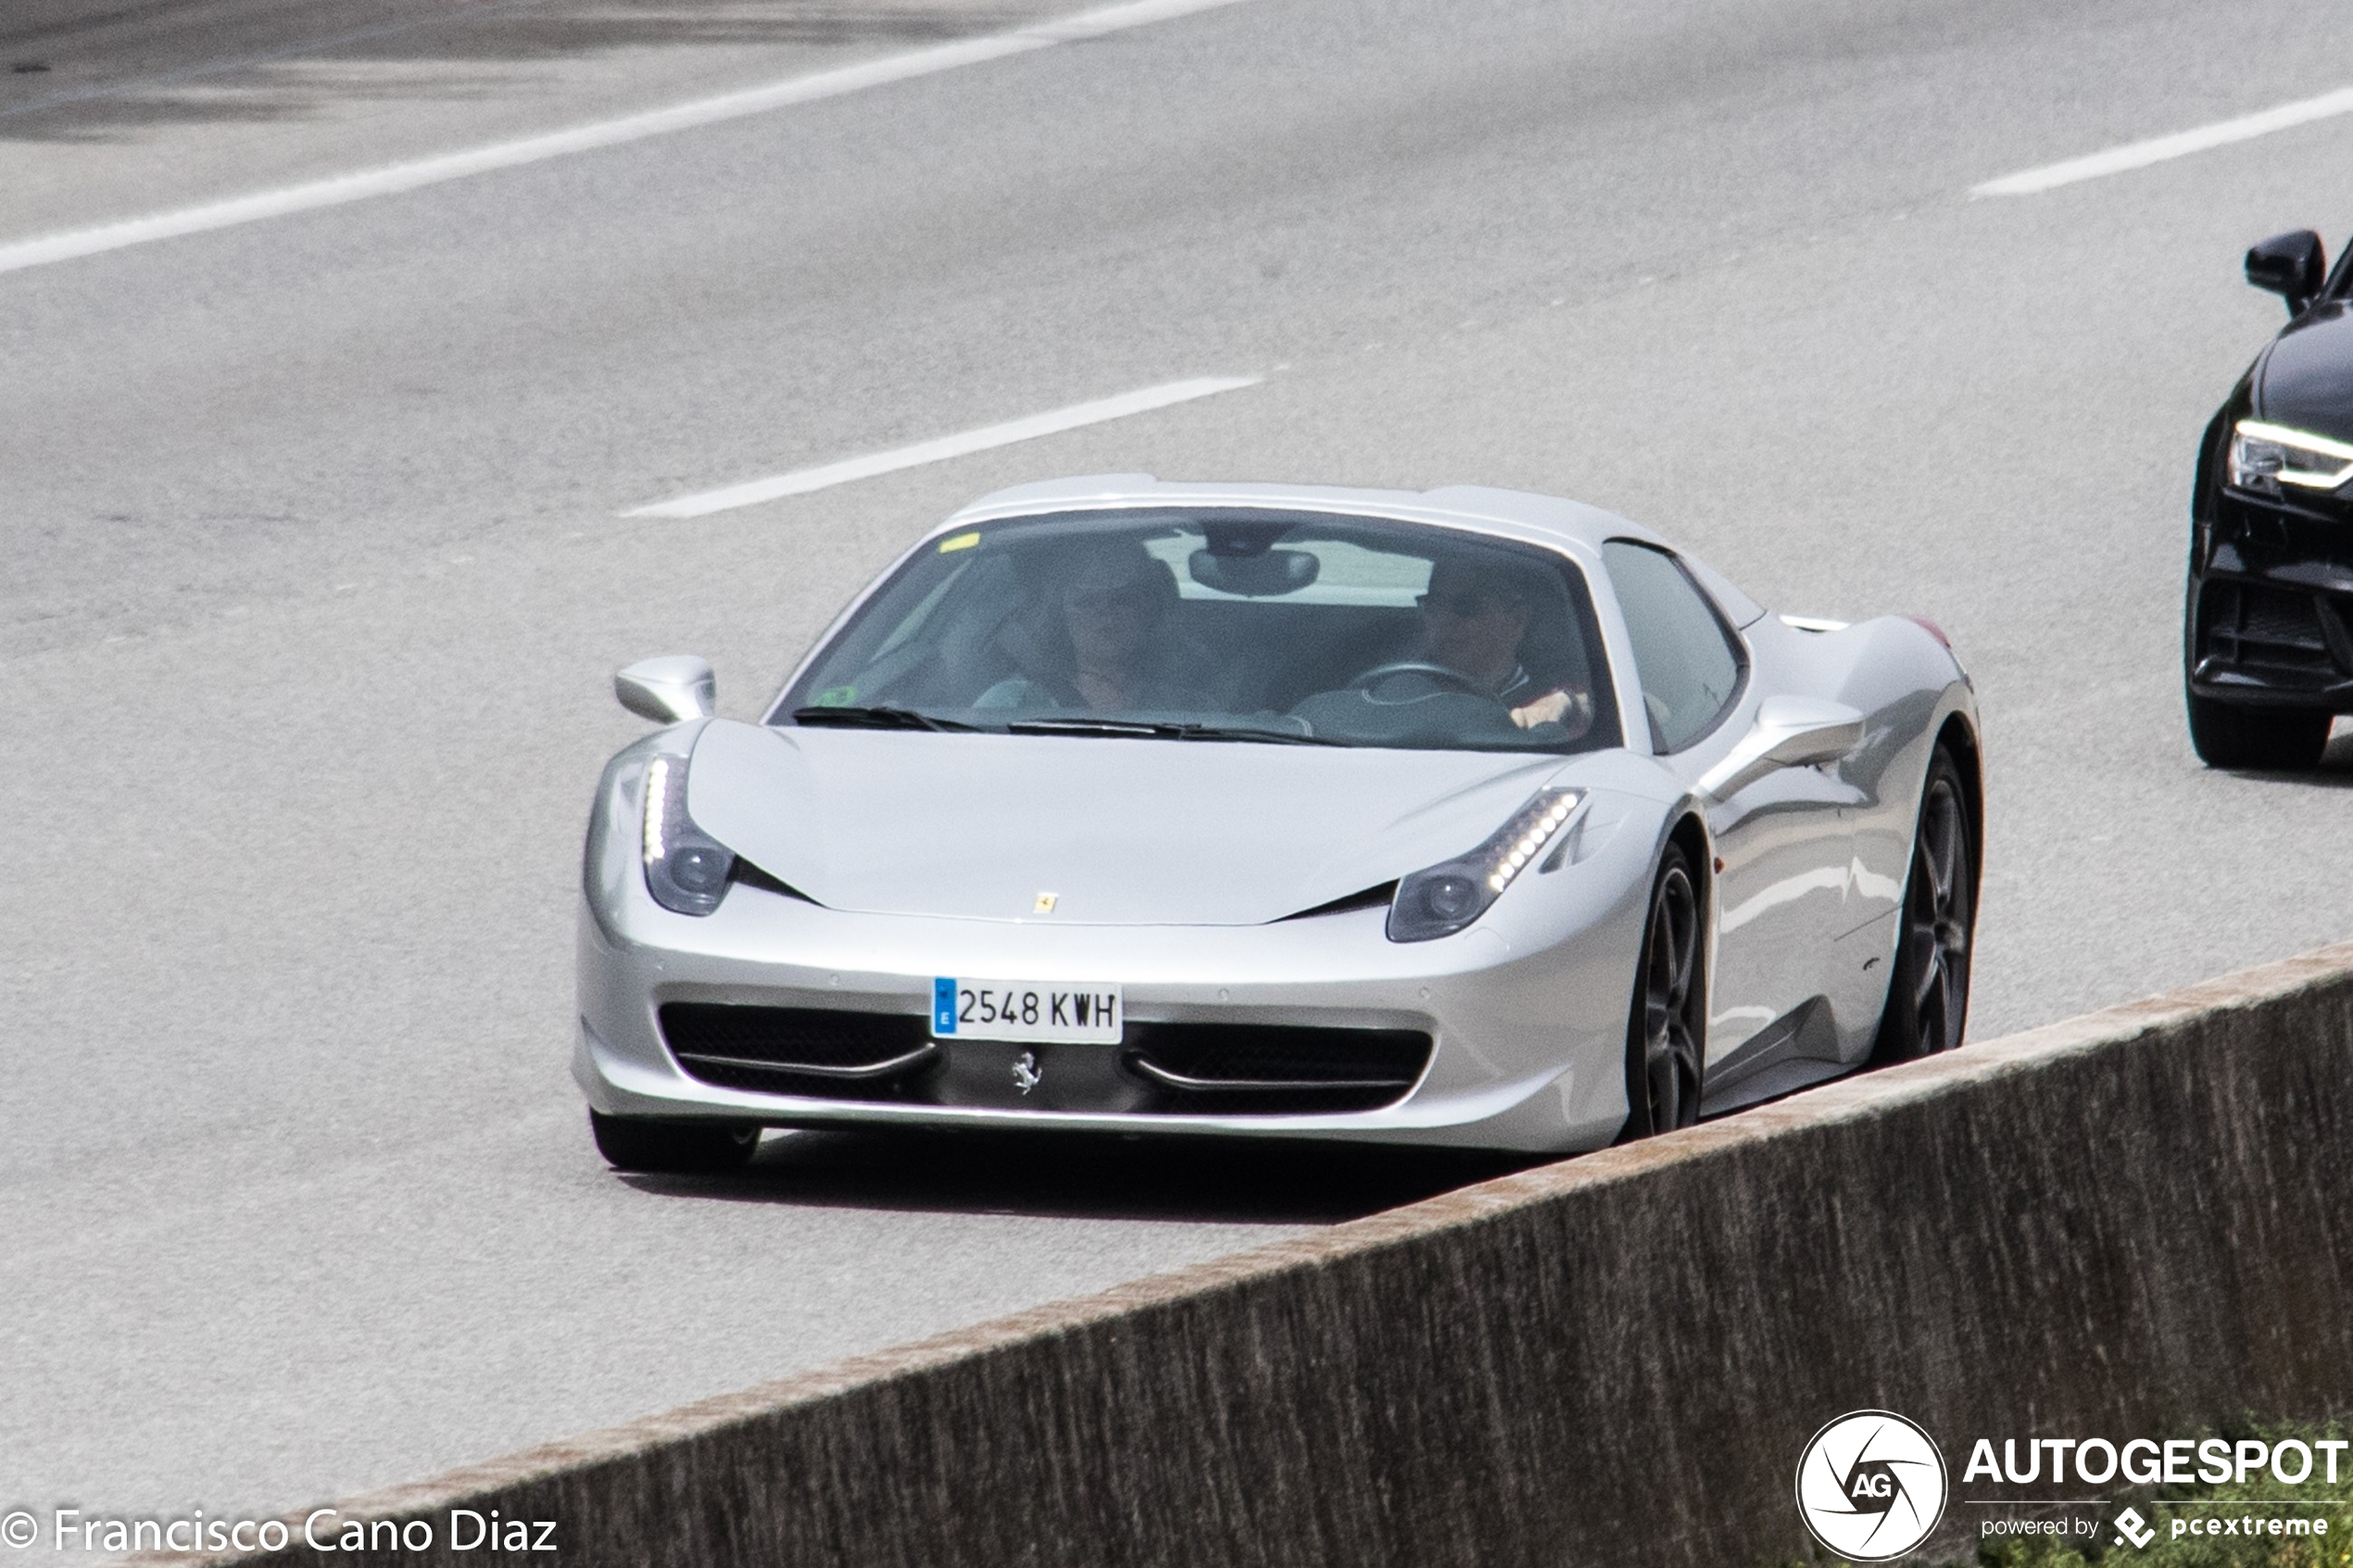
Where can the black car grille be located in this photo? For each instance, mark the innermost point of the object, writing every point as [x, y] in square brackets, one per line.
[818, 1051]
[2266, 632]
[1223, 1068]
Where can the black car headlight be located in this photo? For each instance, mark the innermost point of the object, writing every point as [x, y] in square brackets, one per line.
[1449, 895]
[686, 870]
[2264, 457]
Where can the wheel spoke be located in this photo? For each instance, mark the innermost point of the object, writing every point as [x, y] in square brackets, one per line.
[1678, 986]
[1931, 977]
[1673, 1075]
[1674, 932]
[1658, 1073]
[1955, 1004]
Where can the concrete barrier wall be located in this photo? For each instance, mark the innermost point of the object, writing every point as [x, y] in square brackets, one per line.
[2132, 1223]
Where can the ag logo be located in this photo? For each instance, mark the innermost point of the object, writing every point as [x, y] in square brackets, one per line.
[1870, 1486]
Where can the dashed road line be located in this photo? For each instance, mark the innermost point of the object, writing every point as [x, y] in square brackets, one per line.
[800, 481]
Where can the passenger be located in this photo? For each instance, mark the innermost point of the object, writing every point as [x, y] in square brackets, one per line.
[1118, 650]
[1475, 619]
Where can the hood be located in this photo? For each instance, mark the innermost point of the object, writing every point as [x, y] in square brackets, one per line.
[2306, 381]
[1121, 832]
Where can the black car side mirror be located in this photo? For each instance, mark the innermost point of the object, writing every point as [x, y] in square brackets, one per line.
[2292, 265]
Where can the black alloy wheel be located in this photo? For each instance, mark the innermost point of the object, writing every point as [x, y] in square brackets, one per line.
[640, 1142]
[2229, 734]
[1667, 1028]
[1928, 993]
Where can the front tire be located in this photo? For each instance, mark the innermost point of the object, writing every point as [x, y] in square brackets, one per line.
[2229, 735]
[1667, 1026]
[640, 1142]
[1928, 990]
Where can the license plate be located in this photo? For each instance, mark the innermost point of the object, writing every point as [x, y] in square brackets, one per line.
[1041, 1010]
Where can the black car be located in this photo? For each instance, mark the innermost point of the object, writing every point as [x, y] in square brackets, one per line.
[2268, 626]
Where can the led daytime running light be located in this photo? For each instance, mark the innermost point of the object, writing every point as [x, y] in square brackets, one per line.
[656, 809]
[2252, 466]
[1533, 837]
[1446, 897]
[686, 870]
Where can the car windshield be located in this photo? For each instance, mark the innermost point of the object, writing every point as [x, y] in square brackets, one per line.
[1280, 627]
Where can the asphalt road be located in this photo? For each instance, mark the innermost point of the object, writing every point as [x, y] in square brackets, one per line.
[316, 576]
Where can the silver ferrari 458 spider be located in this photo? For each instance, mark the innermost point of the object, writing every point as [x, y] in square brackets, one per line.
[1471, 817]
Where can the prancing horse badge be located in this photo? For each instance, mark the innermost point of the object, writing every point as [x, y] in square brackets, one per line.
[1025, 1075]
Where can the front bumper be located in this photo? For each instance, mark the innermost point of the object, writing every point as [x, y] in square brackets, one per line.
[2270, 603]
[1526, 1036]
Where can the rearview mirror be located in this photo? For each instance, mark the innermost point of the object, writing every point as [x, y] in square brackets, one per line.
[669, 690]
[1259, 576]
[1789, 732]
[2292, 265]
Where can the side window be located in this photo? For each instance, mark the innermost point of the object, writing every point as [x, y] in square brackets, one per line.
[1689, 664]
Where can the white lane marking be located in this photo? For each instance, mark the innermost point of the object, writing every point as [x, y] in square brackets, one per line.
[800, 481]
[2158, 149]
[410, 176]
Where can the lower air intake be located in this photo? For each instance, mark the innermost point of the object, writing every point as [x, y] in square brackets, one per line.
[2276, 635]
[820, 1051]
[1225, 1068]
[1157, 1069]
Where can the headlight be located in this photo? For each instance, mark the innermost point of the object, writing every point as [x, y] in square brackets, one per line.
[686, 870]
[1448, 896]
[2264, 457]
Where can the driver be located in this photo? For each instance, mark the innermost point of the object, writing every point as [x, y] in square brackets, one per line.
[1118, 649]
[1474, 619]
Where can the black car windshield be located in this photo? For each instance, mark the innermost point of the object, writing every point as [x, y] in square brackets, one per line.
[1178, 624]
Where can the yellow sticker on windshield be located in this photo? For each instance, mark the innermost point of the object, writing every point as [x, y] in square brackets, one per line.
[959, 542]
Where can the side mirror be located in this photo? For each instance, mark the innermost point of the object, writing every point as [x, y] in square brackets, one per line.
[669, 690]
[1789, 732]
[2292, 265]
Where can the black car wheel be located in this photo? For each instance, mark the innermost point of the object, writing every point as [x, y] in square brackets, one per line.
[1667, 1028]
[637, 1143]
[2229, 734]
[1928, 991]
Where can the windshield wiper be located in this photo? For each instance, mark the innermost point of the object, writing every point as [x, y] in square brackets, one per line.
[877, 719]
[1152, 729]
[1246, 731]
